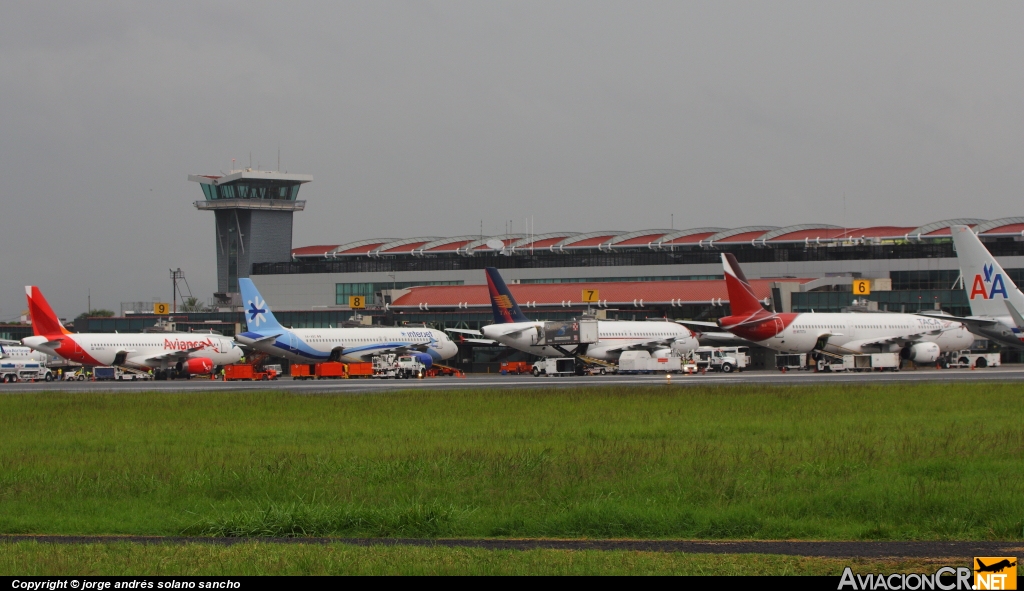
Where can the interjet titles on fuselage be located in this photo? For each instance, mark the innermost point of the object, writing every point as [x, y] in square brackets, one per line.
[512, 328]
[167, 355]
[919, 338]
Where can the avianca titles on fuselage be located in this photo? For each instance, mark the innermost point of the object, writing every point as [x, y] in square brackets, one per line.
[512, 328]
[313, 345]
[918, 338]
[183, 353]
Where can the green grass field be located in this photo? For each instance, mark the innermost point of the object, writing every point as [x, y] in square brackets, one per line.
[837, 462]
[122, 559]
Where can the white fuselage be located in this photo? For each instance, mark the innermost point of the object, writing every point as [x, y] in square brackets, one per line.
[614, 336]
[312, 345]
[867, 333]
[141, 351]
[23, 353]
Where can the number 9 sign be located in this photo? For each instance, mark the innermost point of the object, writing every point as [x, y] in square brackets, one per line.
[161, 308]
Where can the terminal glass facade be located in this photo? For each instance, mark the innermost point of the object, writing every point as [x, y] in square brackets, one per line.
[342, 291]
[623, 279]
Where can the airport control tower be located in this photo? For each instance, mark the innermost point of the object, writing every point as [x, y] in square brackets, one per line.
[254, 211]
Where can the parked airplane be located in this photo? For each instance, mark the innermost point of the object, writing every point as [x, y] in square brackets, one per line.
[996, 302]
[169, 355]
[13, 350]
[311, 345]
[921, 339]
[511, 327]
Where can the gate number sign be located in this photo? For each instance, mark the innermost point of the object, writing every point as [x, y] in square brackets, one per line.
[861, 286]
[591, 295]
[356, 302]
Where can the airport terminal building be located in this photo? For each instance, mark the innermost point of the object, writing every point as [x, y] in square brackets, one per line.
[646, 273]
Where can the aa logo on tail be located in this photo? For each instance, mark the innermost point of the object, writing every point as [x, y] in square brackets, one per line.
[994, 282]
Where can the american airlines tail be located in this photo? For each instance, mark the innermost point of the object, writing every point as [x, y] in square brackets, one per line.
[989, 289]
[503, 305]
[258, 317]
[742, 300]
[44, 320]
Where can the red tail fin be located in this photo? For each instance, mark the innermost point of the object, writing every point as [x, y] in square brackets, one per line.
[44, 321]
[741, 296]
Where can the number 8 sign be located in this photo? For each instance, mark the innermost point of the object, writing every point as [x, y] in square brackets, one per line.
[356, 302]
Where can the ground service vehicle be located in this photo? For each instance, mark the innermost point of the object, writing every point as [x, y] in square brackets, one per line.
[555, 366]
[861, 362]
[23, 371]
[516, 367]
[790, 361]
[966, 358]
[245, 371]
[642, 362]
[391, 365]
[717, 359]
[109, 372]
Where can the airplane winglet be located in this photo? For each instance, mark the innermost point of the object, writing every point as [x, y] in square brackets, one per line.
[1015, 314]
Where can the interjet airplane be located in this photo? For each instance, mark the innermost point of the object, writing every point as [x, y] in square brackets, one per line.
[996, 302]
[921, 339]
[168, 355]
[313, 345]
[512, 328]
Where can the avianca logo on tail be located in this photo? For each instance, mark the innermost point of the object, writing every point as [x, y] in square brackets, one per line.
[256, 312]
[994, 281]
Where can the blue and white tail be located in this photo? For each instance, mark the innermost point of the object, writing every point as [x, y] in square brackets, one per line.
[258, 317]
[989, 289]
[503, 305]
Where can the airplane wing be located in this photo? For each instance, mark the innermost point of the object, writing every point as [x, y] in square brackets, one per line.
[471, 337]
[378, 348]
[178, 355]
[969, 322]
[1015, 314]
[720, 338]
[700, 323]
[10, 342]
[651, 345]
[903, 340]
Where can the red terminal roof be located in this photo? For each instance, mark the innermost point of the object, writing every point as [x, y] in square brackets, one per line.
[1007, 229]
[590, 241]
[407, 247]
[744, 237]
[313, 251]
[553, 294]
[542, 243]
[641, 240]
[363, 248]
[692, 238]
[451, 246]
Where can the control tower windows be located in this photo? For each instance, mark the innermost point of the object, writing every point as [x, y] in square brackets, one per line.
[252, 189]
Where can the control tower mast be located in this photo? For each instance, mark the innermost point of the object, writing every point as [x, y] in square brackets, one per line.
[253, 210]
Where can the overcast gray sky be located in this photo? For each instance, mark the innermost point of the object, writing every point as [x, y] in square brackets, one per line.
[423, 118]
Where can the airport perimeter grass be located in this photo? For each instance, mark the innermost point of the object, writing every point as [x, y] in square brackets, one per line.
[125, 559]
[925, 461]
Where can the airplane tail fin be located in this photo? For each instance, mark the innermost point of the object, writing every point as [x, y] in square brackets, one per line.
[503, 305]
[990, 290]
[742, 300]
[258, 317]
[44, 320]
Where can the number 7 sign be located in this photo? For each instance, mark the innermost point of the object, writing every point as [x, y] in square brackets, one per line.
[591, 295]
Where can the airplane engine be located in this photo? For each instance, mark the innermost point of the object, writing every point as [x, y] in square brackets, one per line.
[424, 358]
[195, 365]
[921, 353]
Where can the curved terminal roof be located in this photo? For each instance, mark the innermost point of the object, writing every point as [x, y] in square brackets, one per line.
[608, 240]
[1001, 226]
[942, 228]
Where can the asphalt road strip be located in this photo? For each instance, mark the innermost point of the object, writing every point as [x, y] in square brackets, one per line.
[843, 549]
